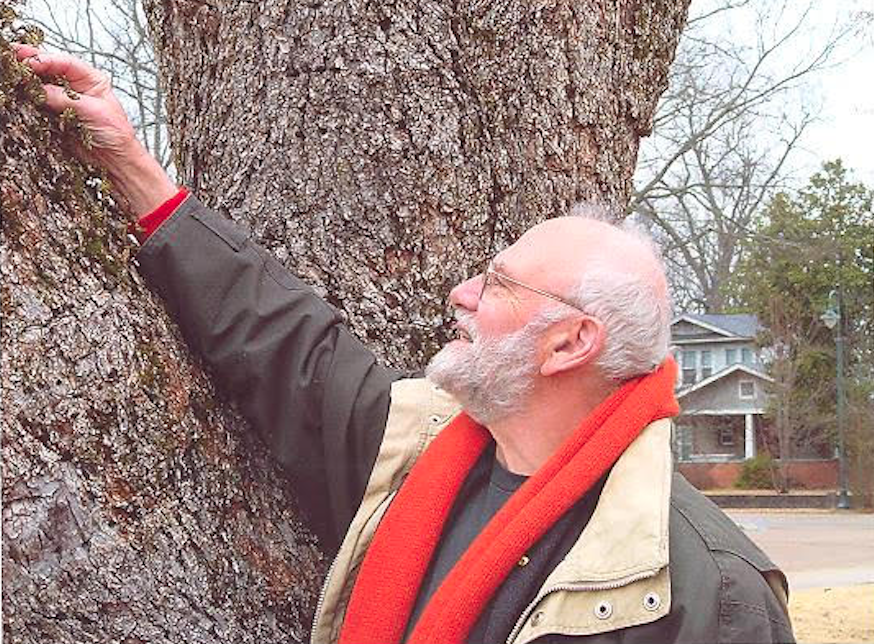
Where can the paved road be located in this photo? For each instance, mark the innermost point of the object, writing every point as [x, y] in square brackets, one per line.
[817, 549]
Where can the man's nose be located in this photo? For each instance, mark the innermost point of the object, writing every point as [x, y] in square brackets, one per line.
[466, 295]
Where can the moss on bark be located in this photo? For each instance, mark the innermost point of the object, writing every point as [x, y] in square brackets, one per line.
[135, 508]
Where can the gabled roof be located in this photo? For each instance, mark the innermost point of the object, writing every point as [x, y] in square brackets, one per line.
[739, 325]
[719, 375]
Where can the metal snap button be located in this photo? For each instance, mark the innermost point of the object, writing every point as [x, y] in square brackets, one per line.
[524, 561]
[651, 601]
[536, 618]
[603, 610]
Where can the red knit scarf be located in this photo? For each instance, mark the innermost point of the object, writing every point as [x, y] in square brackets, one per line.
[397, 559]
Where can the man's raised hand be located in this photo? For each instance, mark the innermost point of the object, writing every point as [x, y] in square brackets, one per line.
[135, 174]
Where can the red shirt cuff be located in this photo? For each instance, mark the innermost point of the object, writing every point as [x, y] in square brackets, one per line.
[149, 223]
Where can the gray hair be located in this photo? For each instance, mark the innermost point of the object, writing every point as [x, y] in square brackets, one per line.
[637, 318]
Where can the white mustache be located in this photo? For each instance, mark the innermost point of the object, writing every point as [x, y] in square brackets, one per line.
[464, 321]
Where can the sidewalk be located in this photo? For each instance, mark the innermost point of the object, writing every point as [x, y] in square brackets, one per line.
[814, 548]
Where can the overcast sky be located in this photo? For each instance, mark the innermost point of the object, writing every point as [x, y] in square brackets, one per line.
[846, 128]
[844, 93]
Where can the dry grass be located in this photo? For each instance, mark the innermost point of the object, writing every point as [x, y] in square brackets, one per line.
[821, 615]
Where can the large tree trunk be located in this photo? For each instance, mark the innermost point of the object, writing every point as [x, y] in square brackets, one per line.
[385, 149]
[382, 151]
[134, 508]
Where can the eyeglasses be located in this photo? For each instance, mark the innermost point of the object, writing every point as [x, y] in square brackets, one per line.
[491, 277]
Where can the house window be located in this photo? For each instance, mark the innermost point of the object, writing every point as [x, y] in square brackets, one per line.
[747, 389]
[689, 362]
[706, 364]
[746, 356]
[726, 436]
[730, 357]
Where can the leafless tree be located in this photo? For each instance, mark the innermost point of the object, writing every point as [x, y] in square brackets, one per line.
[724, 136]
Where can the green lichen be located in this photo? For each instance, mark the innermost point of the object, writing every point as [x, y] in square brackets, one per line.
[153, 375]
[84, 189]
[70, 125]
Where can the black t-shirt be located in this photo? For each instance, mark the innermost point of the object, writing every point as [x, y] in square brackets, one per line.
[488, 486]
[486, 489]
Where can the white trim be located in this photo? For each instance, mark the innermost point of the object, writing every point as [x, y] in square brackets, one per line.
[678, 340]
[715, 457]
[749, 437]
[704, 325]
[758, 411]
[722, 373]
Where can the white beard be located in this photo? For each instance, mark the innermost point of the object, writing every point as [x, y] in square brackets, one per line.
[491, 377]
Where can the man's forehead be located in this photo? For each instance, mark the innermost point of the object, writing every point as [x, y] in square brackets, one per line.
[561, 244]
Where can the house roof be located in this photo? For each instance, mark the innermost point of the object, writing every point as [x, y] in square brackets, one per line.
[719, 375]
[741, 325]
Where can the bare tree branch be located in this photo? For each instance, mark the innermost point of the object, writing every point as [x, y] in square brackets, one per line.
[723, 139]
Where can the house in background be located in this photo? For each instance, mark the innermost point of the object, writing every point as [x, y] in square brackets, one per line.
[722, 389]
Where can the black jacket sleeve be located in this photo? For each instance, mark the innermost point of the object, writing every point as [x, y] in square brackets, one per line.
[313, 391]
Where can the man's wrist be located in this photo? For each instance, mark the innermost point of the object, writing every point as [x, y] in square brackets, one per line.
[142, 183]
[149, 223]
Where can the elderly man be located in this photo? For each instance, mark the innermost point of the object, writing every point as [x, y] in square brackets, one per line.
[524, 491]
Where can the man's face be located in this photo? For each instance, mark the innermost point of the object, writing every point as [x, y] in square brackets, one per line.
[505, 306]
[493, 365]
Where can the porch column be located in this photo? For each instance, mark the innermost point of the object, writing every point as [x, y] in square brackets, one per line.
[749, 437]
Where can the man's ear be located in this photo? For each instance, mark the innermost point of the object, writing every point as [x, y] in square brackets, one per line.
[573, 345]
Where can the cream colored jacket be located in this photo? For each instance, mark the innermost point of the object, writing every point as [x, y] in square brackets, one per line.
[599, 586]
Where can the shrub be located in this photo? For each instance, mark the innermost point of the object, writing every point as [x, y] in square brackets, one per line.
[757, 473]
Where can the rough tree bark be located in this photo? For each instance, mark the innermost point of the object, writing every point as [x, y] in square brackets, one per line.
[134, 507]
[381, 150]
[385, 149]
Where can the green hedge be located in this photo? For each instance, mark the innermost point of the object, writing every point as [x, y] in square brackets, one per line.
[757, 473]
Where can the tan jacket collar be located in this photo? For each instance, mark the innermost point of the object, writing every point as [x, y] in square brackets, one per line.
[628, 532]
[615, 576]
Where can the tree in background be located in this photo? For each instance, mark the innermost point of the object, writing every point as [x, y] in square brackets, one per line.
[807, 248]
[381, 151]
[734, 116]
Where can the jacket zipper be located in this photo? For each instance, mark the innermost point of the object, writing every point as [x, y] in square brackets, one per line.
[393, 491]
[581, 587]
[322, 593]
